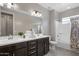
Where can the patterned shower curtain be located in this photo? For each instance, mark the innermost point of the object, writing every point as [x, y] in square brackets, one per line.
[75, 32]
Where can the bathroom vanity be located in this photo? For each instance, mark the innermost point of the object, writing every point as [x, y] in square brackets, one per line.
[14, 22]
[25, 47]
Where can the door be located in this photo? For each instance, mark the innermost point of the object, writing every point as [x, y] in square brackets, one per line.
[3, 24]
[6, 24]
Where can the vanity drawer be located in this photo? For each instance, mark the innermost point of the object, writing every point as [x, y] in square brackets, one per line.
[33, 42]
[31, 52]
[20, 45]
[4, 49]
[7, 48]
[32, 45]
[40, 53]
[20, 52]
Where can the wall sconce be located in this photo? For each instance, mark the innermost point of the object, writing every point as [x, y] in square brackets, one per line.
[36, 13]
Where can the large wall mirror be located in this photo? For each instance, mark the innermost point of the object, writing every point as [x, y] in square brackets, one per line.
[23, 23]
[19, 22]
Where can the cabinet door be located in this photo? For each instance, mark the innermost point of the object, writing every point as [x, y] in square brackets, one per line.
[32, 44]
[20, 49]
[21, 45]
[40, 47]
[32, 48]
[20, 52]
[46, 45]
[6, 50]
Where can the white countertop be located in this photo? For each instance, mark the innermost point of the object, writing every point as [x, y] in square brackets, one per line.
[4, 41]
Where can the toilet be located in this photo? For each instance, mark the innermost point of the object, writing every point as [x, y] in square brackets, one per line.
[52, 43]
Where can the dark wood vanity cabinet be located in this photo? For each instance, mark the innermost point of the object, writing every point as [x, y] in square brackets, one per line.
[38, 47]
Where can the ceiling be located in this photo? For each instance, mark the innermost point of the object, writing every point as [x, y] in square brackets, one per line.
[59, 7]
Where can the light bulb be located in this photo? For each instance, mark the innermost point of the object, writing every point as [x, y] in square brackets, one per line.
[34, 13]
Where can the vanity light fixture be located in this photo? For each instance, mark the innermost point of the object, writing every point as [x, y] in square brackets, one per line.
[36, 13]
[8, 5]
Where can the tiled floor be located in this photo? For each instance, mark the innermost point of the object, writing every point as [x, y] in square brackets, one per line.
[61, 52]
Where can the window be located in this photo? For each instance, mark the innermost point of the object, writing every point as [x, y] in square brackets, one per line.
[65, 20]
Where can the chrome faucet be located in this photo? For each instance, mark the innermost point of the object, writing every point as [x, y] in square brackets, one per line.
[10, 37]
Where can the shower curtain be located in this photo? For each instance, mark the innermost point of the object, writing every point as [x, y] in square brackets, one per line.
[74, 32]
